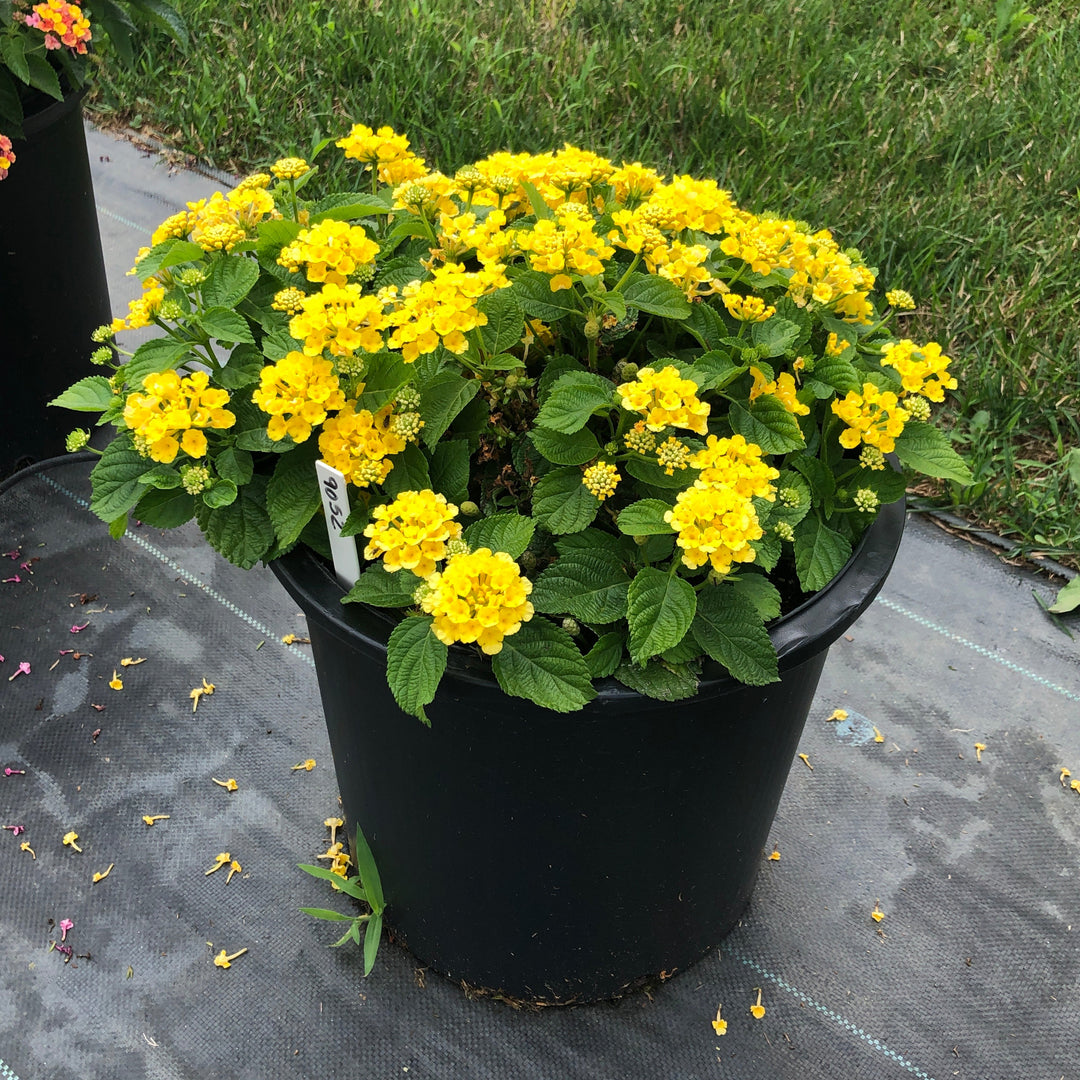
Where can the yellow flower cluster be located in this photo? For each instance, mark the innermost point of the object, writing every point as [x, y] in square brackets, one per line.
[411, 532]
[290, 168]
[331, 251]
[782, 388]
[874, 417]
[735, 463]
[640, 439]
[601, 479]
[665, 399]
[297, 392]
[223, 221]
[142, 309]
[836, 345]
[673, 454]
[383, 150]
[715, 524]
[442, 309]
[175, 405]
[923, 369]
[747, 308]
[564, 246]
[340, 319]
[683, 265]
[900, 298]
[464, 233]
[480, 596]
[358, 443]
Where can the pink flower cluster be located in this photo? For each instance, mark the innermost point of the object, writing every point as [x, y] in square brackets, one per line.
[62, 24]
[7, 158]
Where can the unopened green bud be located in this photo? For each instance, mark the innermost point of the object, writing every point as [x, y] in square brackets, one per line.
[867, 500]
[789, 497]
[528, 560]
[170, 310]
[469, 508]
[101, 356]
[592, 328]
[408, 397]
[195, 479]
[571, 626]
[457, 547]
[422, 590]
[102, 333]
[625, 371]
[191, 278]
[918, 406]
[511, 381]
[749, 354]
[76, 440]
[784, 531]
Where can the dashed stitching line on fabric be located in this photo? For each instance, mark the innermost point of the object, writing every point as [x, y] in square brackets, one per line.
[186, 575]
[6, 1072]
[981, 650]
[877, 1044]
[123, 220]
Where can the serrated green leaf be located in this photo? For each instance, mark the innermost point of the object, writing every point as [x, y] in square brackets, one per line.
[230, 279]
[505, 321]
[649, 472]
[115, 480]
[152, 357]
[687, 649]
[795, 484]
[243, 368]
[732, 631]
[168, 253]
[573, 399]
[241, 531]
[656, 296]
[225, 325]
[161, 476]
[13, 49]
[560, 449]
[820, 553]
[661, 609]
[925, 448]
[415, 662]
[42, 76]
[761, 592]
[591, 540]
[554, 368]
[589, 585]
[562, 503]
[542, 664]
[645, 518]
[441, 400]
[887, 484]
[533, 290]
[449, 469]
[775, 335]
[833, 373]
[606, 655]
[409, 472]
[714, 370]
[292, 495]
[164, 508]
[92, 394]
[507, 532]
[706, 324]
[235, 465]
[768, 424]
[222, 493]
[659, 680]
[379, 588]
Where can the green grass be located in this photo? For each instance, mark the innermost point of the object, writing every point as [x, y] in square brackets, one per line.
[942, 139]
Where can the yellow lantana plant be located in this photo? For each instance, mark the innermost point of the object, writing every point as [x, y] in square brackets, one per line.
[594, 421]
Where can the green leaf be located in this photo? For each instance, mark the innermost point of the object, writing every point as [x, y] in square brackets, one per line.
[230, 279]
[832, 373]
[706, 324]
[372, 934]
[606, 655]
[92, 394]
[775, 335]
[225, 325]
[151, 357]
[554, 369]
[241, 531]
[441, 400]
[562, 503]
[222, 493]
[43, 76]
[409, 472]
[368, 872]
[820, 553]
[796, 483]
[235, 465]
[505, 321]
[768, 424]
[379, 588]
[115, 480]
[657, 296]
[730, 628]
[346, 885]
[384, 375]
[560, 449]
[327, 914]
[818, 474]
[165, 508]
[661, 610]
[13, 50]
[573, 399]
[507, 532]
[887, 484]
[659, 680]
[687, 649]
[1067, 599]
[541, 663]
[533, 290]
[449, 469]
[645, 518]
[922, 447]
[415, 662]
[593, 539]
[650, 472]
[589, 585]
[168, 253]
[293, 496]
[347, 206]
[761, 592]
[161, 476]
[714, 370]
[243, 368]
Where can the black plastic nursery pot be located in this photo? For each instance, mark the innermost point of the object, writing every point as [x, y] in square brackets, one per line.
[52, 279]
[574, 857]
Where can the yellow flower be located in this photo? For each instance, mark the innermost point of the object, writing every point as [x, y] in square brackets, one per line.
[480, 596]
[782, 387]
[719, 1024]
[874, 417]
[877, 914]
[735, 463]
[290, 168]
[640, 439]
[747, 308]
[341, 319]
[564, 246]
[298, 392]
[775, 856]
[715, 525]
[69, 841]
[331, 251]
[374, 147]
[979, 748]
[173, 405]
[228, 785]
[878, 737]
[25, 846]
[665, 399]
[359, 443]
[601, 479]
[922, 368]
[757, 1010]
[333, 824]
[151, 818]
[900, 298]
[116, 682]
[838, 714]
[234, 868]
[836, 345]
[219, 862]
[207, 688]
[224, 961]
[805, 759]
[103, 874]
[305, 766]
[411, 532]
[673, 454]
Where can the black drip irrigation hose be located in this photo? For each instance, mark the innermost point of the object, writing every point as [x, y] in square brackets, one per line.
[46, 463]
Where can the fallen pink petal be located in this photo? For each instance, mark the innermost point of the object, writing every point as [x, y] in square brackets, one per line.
[75, 628]
[13, 554]
[14, 829]
[67, 950]
[65, 926]
[23, 669]
[15, 578]
[14, 772]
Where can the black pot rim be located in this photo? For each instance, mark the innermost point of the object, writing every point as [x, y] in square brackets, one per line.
[803, 632]
[37, 121]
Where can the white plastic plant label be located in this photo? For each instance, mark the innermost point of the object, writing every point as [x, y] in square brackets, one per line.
[336, 508]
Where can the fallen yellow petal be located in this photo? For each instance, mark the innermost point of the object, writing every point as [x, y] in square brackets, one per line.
[805, 759]
[116, 682]
[288, 639]
[128, 662]
[151, 818]
[979, 748]
[719, 1025]
[69, 841]
[307, 766]
[104, 874]
[838, 714]
[878, 737]
[333, 824]
[224, 961]
[1064, 775]
[25, 846]
[877, 914]
[234, 868]
[229, 785]
[219, 862]
[1075, 785]
[757, 1010]
[775, 856]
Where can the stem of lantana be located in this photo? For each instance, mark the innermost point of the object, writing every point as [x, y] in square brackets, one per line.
[629, 270]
